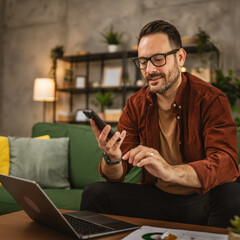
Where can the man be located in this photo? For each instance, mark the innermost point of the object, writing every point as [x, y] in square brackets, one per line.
[179, 131]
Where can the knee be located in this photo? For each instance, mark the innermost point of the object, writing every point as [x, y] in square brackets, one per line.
[225, 203]
[227, 196]
[92, 190]
[91, 196]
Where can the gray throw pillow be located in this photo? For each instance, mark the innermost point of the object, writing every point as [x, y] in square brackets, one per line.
[42, 160]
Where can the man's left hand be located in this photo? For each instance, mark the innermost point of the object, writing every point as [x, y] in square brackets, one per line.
[149, 158]
[156, 165]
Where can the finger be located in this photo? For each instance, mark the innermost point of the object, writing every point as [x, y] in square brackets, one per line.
[112, 141]
[138, 157]
[103, 135]
[137, 154]
[133, 152]
[122, 137]
[144, 162]
[95, 129]
[140, 153]
[127, 155]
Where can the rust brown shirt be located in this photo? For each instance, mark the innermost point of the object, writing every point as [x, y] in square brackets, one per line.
[206, 131]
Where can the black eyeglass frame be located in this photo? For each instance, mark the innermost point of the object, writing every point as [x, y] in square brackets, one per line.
[150, 58]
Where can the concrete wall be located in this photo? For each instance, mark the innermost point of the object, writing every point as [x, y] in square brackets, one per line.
[31, 28]
[1, 57]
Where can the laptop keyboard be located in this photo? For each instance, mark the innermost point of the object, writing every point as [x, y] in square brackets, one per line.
[84, 227]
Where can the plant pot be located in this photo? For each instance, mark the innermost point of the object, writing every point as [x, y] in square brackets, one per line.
[113, 48]
[68, 84]
[233, 236]
[112, 115]
[189, 40]
[66, 116]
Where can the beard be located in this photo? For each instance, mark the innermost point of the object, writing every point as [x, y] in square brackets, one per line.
[167, 81]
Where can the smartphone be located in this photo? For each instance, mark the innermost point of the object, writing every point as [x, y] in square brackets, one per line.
[99, 122]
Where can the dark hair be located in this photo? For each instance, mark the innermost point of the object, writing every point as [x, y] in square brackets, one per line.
[160, 26]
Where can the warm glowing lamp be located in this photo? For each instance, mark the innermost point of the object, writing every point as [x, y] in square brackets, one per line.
[44, 91]
[183, 69]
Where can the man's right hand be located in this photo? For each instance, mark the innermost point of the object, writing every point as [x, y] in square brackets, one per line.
[111, 147]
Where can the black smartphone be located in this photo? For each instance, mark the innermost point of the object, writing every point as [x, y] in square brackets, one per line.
[99, 122]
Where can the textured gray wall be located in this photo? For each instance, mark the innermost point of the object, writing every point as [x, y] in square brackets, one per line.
[1, 58]
[31, 28]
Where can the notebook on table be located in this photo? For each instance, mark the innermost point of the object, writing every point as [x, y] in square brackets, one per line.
[38, 206]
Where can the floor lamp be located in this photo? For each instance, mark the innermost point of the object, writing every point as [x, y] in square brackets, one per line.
[44, 91]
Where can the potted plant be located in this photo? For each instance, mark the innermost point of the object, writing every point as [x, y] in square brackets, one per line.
[55, 53]
[204, 44]
[68, 78]
[234, 230]
[230, 85]
[112, 38]
[104, 100]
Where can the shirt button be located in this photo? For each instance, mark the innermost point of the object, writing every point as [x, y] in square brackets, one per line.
[180, 142]
[178, 117]
[179, 107]
[174, 104]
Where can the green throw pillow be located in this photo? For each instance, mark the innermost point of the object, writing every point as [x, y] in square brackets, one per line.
[42, 160]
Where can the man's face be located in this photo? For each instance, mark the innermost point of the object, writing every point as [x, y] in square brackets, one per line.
[159, 79]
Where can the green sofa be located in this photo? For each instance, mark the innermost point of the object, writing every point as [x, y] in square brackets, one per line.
[84, 156]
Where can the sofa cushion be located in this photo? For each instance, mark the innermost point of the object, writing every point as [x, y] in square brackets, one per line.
[7, 202]
[83, 148]
[62, 199]
[84, 152]
[65, 199]
[42, 160]
[4, 156]
[43, 137]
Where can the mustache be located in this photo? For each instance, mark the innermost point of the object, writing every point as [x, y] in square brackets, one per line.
[152, 75]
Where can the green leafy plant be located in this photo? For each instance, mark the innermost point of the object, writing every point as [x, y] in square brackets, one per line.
[104, 100]
[55, 53]
[68, 75]
[230, 85]
[111, 36]
[235, 222]
[204, 44]
[204, 41]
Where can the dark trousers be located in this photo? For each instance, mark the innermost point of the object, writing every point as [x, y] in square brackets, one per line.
[214, 208]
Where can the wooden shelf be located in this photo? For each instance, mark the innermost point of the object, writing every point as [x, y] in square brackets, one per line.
[118, 55]
[98, 56]
[124, 57]
[96, 89]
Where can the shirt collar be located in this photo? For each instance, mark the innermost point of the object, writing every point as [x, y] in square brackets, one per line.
[179, 97]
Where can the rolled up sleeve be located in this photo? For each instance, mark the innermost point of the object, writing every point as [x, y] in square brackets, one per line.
[220, 142]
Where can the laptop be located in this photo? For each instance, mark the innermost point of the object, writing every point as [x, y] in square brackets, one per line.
[79, 225]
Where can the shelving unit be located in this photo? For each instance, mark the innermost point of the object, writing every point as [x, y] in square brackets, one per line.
[123, 56]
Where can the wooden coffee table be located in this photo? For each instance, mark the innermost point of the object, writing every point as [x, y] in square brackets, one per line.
[19, 226]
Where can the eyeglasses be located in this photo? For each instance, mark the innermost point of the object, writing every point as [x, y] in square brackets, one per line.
[158, 60]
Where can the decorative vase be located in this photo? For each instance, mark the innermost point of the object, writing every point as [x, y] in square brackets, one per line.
[113, 48]
[233, 236]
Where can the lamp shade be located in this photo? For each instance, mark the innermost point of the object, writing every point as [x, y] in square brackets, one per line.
[44, 89]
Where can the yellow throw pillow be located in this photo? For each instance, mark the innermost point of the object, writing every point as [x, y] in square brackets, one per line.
[4, 156]
[43, 137]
